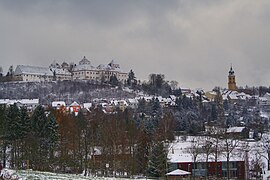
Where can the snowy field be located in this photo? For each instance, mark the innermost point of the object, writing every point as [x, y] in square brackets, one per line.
[37, 175]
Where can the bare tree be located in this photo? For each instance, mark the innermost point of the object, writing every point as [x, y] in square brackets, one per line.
[256, 166]
[229, 144]
[264, 145]
[195, 150]
[215, 134]
[207, 149]
[173, 85]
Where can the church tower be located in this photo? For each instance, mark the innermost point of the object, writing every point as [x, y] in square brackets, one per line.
[231, 80]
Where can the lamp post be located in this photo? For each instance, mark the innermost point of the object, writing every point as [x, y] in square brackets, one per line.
[189, 171]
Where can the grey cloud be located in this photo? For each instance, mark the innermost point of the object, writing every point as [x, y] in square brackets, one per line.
[193, 42]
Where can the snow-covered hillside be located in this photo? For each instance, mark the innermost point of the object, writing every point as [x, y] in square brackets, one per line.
[68, 91]
[37, 175]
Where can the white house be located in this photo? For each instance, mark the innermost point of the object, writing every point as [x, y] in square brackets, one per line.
[58, 104]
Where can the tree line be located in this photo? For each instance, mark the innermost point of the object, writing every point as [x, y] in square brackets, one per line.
[91, 142]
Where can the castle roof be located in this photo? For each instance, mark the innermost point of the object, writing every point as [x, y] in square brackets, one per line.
[33, 70]
[61, 71]
[84, 61]
[84, 64]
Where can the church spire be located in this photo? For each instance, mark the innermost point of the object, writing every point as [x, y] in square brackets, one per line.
[231, 72]
[231, 80]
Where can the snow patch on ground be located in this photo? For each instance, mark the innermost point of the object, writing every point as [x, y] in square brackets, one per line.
[38, 175]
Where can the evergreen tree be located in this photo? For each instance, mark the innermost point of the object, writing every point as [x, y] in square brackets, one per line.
[14, 133]
[177, 92]
[25, 124]
[113, 80]
[141, 111]
[52, 130]
[83, 140]
[39, 122]
[214, 113]
[156, 108]
[185, 102]
[1, 71]
[131, 81]
[25, 129]
[3, 131]
[157, 165]
[39, 139]
[52, 137]
[179, 103]
[141, 153]
[13, 119]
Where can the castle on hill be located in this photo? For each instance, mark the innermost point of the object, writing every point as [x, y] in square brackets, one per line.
[82, 71]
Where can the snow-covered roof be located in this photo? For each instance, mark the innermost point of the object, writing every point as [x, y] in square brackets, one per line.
[205, 101]
[21, 101]
[212, 92]
[233, 96]
[114, 102]
[87, 105]
[82, 67]
[58, 103]
[173, 97]
[29, 101]
[235, 129]
[84, 61]
[133, 101]
[179, 153]
[264, 115]
[33, 70]
[113, 62]
[114, 65]
[4, 101]
[60, 71]
[123, 102]
[262, 98]
[54, 65]
[74, 104]
[178, 172]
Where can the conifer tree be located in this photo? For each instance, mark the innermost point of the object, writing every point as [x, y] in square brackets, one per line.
[25, 128]
[25, 123]
[52, 136]
[13, 132]
[113, 80]
[39, 146]
[3, 131]
[157, 165]
[131, 81]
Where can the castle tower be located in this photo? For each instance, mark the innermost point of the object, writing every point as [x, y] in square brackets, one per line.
[231, 80]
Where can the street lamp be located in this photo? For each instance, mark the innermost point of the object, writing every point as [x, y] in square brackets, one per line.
[189, 171]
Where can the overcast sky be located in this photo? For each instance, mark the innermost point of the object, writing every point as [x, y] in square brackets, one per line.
[192, 42]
